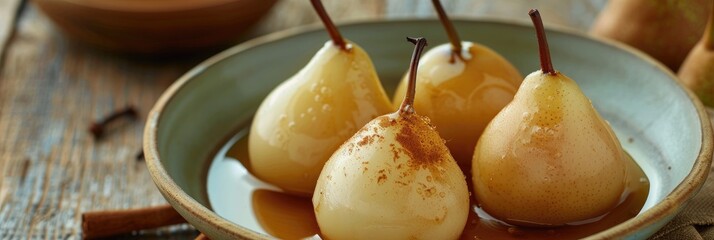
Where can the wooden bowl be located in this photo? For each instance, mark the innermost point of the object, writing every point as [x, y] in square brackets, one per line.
[659, 122]
[155, 26]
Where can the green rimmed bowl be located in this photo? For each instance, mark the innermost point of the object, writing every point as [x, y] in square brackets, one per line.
[661, 124]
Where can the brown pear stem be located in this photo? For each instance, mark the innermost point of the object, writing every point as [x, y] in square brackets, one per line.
[408, 103]
[709, 32]
[329, 25]
[546, 65]
[449, 26]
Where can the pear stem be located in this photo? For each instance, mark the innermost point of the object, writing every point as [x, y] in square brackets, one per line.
[450, 30]
[408, 103]
[709, 32]
[546, 65]
[329, 25]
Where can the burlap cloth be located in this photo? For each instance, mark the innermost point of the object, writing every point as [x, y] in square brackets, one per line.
[696, 221]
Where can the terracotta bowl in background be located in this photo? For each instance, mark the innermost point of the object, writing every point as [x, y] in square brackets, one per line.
[155, 26]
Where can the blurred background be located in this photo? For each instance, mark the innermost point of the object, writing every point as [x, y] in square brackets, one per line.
[171, 27]
[66, 63]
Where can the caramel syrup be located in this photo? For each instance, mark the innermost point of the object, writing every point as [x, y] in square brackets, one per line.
[286, 216]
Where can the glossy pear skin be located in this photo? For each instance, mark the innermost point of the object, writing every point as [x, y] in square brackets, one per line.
[305, 119]
[394, 179]
[548, 158]
[462, 97]
[697, 73]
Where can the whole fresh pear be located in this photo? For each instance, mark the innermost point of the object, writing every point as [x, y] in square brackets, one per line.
[306, 118]
[548, 158]
[462, 86]
[697, 72]
[394, 179]
[664, 29]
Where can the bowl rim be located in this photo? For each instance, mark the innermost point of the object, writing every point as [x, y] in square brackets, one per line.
[671, 204]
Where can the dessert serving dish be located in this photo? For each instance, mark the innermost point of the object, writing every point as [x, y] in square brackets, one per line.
[194, 133]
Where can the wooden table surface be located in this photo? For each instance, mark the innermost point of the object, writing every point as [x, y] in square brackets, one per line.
[51, 89]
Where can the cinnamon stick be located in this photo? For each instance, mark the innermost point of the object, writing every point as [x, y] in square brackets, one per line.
[202, 237]
[109, 223]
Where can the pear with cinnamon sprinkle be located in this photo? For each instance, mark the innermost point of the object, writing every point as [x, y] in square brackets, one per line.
[394, 179]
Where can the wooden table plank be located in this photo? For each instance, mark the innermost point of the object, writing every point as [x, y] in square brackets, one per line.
[52, 88]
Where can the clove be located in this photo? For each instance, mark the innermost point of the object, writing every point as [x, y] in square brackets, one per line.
[99, 128]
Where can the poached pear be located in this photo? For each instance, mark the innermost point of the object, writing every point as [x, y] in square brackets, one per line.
[462, 86]
[548, 158]
[394, 179]
[697, 72]
[306, 118]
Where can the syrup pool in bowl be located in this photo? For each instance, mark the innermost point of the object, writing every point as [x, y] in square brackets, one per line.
[235, 194]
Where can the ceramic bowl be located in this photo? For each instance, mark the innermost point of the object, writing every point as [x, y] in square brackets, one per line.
[661, 124]
[155, 26]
